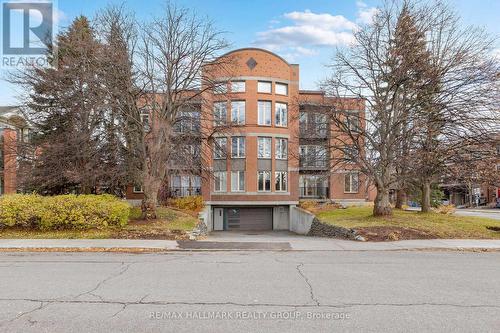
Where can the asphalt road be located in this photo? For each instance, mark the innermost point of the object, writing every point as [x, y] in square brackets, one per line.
[392, 291]
[491, 213]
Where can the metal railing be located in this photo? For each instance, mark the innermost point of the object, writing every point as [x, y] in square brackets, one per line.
[314, 192]
[313, 131]
[175, 191]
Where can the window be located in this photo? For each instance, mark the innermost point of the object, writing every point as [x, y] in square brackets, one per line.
[187, 122]
[264, 87]
[238, 86]
[264, 147]
[281, 115]
[220, 88]
[352, 121]
[238, 147]
[264, 181]
[138, 189]
[351, 153]
[220, 148]
[145, 120]
[313, 156]
[281, 180]
[220, 181]
[220, 113]
[238, 112]
[264, 110]
[281, 89]
[281, 149]
[237, 181]
[351, 182]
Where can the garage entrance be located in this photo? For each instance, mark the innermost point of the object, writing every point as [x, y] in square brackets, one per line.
[244, 219]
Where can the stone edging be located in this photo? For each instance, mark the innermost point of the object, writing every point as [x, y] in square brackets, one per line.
[320, 229]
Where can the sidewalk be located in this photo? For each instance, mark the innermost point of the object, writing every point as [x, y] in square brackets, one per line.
[233, 241]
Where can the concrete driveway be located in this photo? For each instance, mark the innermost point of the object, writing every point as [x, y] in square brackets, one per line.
[267, 291]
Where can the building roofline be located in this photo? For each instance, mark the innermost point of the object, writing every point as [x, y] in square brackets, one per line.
[258, 49]
[312, 92]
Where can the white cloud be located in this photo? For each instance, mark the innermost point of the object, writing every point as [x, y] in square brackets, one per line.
[496, 53]
[306, 32]
[365, 13]
[327, 21]
[308, 29]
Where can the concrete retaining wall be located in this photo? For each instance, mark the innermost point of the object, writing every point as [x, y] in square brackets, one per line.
[206, 217]
[300, 220]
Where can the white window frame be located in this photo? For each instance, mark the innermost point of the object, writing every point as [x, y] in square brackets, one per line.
[261, 87]
[220, 88]
[281, 148]
[266, 175]
[220, 145]
[238, 86]
[238, 151]
[266, 144]
[237, 181]
[281, 114]
[348, 185]
[281, 181]
[138, 189]
[353, 122]
[219, 119]
[264, 113]
[279, 86]
[238, 112]
[220, 181]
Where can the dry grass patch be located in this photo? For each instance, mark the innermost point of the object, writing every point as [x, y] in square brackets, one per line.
[411, 224]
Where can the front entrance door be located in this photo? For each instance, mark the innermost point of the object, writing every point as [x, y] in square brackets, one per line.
[218, 219]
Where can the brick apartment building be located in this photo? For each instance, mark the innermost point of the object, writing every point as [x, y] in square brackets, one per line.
[263, 166]
[274, 153]
[9, 128]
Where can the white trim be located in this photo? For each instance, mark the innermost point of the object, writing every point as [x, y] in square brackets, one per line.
[242, 133]
[257, 78]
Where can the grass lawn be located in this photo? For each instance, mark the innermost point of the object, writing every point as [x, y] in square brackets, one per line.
[411, 224]
[171, 224]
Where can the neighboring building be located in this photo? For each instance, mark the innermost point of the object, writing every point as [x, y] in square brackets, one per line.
[482, 187]
[262, 166]
[10, 121]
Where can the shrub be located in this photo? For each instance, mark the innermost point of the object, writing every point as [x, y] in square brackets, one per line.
[193, 203]
[309, 205]
[20, 210]
[63, 211]
[445, 209]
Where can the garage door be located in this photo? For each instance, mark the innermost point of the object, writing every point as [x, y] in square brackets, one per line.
[247, 219]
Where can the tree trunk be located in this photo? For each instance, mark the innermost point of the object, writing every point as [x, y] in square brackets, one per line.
[382, 205]
[150, 200]
[426, 196]
[400, 198]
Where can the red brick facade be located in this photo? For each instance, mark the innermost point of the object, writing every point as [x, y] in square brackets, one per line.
[8, 143]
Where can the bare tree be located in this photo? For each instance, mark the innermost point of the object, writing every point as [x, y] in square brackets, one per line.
[177, 53]
[385, 67]
[426, 82]
[462, 98]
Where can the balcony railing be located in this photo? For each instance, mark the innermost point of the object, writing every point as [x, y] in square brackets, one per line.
[313, 131]
[314, 192]
[313, 163]
[176, 192]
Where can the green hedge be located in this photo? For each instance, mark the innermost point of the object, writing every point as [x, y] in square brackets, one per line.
[63, 211]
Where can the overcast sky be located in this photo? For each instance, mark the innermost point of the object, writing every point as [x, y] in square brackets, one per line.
[303, 32]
